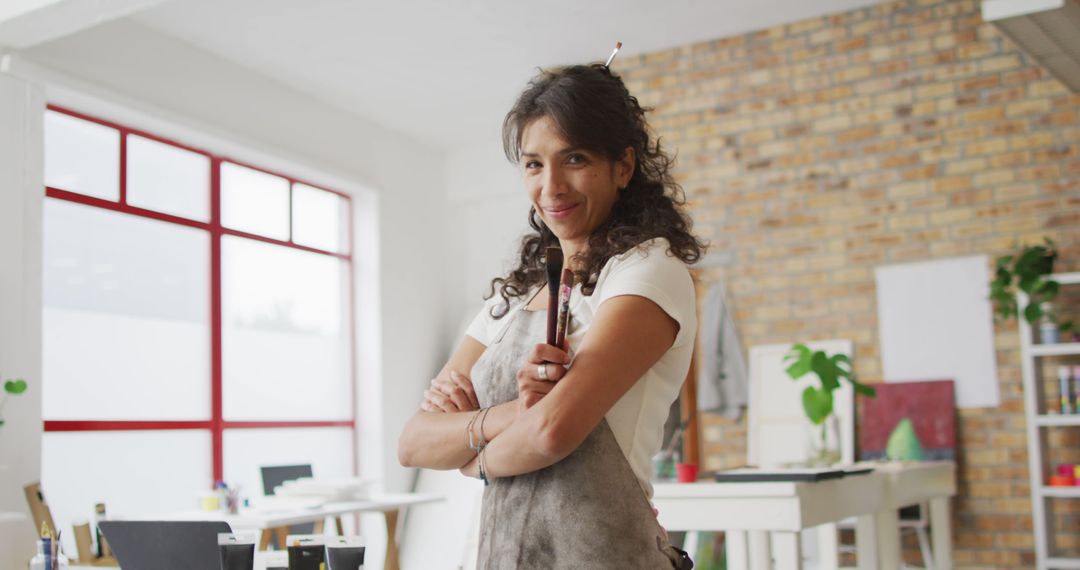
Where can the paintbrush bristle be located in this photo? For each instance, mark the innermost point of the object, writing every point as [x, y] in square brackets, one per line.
[554, 259]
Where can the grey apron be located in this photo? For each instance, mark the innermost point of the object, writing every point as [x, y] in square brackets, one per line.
[587, 511]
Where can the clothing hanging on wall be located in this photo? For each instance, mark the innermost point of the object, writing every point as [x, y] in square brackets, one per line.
[722, 376]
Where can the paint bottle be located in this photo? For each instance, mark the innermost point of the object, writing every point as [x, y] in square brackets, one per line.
[1065, 385]
[237, 553]
[345, 553]
[306, 551]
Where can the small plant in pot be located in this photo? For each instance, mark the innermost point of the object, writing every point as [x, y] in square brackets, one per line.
[1029, 271]
[817, 401]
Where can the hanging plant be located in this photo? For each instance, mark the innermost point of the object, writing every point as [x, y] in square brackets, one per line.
[1029, 271]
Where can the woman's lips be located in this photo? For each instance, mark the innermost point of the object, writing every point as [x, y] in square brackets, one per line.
[558, 212]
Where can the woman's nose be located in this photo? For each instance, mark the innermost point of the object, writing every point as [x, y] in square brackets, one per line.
[554, 182]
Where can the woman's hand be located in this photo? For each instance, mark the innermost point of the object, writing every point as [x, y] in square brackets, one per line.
[543, 368]
[450, 392]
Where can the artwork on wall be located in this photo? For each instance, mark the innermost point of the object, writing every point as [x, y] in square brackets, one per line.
[935, 321]
[931, 407]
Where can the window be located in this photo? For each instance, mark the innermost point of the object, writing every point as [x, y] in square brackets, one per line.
[197, 322]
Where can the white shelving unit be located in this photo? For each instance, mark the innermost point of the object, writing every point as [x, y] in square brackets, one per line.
[1038, 422]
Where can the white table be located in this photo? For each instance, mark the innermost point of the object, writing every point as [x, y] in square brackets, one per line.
[266, 519]
[263, 560]
[932, 482]
[752, 514]
[783, 508]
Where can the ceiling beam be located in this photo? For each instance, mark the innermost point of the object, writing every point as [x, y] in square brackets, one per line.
[26, 23]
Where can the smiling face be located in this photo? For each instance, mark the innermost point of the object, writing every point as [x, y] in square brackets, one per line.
[572, 189]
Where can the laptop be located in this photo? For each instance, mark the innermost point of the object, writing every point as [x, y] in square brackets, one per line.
[165, 545]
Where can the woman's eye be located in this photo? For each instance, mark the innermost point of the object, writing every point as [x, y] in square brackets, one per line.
[532, 164]
[575, 159]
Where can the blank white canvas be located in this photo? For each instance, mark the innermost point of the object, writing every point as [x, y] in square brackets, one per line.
[936, 322]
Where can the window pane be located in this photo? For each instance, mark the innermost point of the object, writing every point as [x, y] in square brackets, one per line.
[328, 451]
[126, 317]
[318, 218]
[81, 156]
[168, 179]
[254, 202]
[284, 340]
[135, 473]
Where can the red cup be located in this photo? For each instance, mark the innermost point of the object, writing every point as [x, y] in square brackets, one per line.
[1066, 469]
[686, 472]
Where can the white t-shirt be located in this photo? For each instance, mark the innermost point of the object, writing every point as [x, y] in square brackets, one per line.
[638, 417]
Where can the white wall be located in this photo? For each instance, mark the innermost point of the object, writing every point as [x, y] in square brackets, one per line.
[124, 72]
[487, 215]
[21, 110]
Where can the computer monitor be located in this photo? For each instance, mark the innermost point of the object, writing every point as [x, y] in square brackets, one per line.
[274, 475]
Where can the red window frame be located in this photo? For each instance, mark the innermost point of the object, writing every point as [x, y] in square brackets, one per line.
[217, 424]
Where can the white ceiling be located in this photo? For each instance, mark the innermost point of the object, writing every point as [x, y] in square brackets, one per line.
[445, 72]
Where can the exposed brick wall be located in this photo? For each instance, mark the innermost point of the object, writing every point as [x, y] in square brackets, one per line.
[815, 151]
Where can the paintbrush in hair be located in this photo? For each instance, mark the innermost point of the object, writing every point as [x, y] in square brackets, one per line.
[554, 273]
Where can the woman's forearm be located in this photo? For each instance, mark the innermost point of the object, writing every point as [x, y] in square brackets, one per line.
[526, 445]
[437, 440]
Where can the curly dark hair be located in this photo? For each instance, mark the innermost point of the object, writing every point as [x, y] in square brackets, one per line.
[593, 110]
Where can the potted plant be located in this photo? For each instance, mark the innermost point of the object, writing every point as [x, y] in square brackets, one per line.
[817, 401]
[11, 387]
[1028, 272]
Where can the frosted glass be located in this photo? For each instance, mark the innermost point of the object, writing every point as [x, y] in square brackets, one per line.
[328, 450]
[168, 179]
[318, 218]
[254, 202]
[135, 473]
[126, 317]
[285, 343]
[81, 156]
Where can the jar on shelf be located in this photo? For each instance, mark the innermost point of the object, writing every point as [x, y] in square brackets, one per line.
[1048, 329]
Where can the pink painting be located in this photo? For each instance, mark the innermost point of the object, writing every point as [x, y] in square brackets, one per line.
[931, 406]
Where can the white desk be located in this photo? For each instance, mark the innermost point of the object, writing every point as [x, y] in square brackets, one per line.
[784, 508]
[776, 511]
[932, 482]
[267, 519]
[263, 560]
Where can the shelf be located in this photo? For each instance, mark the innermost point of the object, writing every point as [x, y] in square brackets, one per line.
[1058, 420]
[1066, 279]
[1063, 563]
[1059, 349]
[1061, 492]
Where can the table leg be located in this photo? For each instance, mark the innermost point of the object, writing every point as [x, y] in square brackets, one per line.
[264, 539]
[391, 540]
[759, 550]
[941, 533]
[282, 533]
[735, 547]
[788, 550]
[828, 546]
[340, 527]
[888, 534]
[866, 542]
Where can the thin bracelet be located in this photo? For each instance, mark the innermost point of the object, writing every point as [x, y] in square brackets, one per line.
[483, 439]
[469, 433]
[480, 465]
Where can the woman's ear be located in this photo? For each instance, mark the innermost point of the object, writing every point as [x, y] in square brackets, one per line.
[624, 168]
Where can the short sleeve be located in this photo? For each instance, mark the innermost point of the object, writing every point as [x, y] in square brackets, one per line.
[483, 327]
[655, 274]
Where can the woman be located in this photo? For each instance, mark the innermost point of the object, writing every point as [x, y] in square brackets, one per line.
[565, 437]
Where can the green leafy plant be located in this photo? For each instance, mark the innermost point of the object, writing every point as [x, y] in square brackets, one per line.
[817, 401]
[1029, 272]
[12, 387]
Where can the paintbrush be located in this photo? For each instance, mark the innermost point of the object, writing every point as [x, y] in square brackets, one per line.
[564, 307]
[554, 272]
